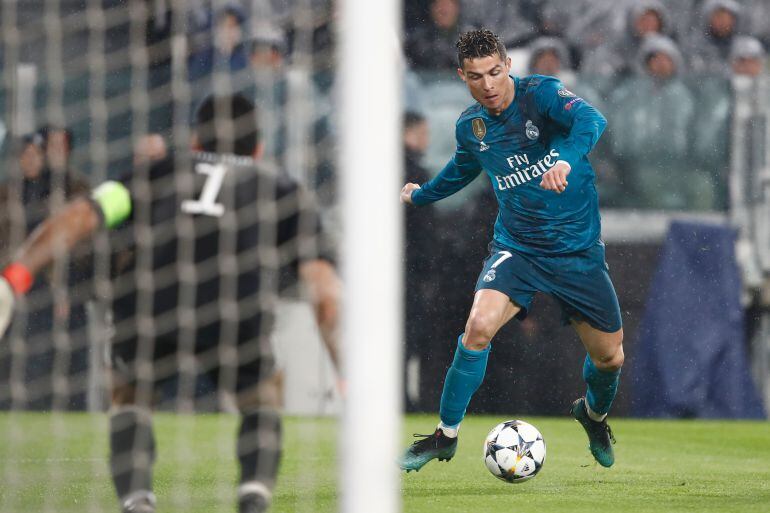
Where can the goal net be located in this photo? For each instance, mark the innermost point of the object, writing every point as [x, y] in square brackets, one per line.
[172, 306]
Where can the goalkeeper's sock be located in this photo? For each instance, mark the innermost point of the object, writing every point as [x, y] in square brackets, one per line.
[132, 451]
[462, 380]
[259, 452]
[602, 388]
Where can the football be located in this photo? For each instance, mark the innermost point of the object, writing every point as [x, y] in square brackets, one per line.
[514, 451]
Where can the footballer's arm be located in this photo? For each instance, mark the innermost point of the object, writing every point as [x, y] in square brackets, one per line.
[461, 170]
[584, 123]
[58, 234]
[109, 205]
[324, 287]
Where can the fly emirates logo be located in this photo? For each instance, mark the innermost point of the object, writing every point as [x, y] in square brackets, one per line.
[524, 171]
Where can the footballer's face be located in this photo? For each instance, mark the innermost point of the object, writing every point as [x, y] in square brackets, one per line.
[750, 66]
[488, 81]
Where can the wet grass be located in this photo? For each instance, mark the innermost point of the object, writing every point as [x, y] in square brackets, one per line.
[59, 463]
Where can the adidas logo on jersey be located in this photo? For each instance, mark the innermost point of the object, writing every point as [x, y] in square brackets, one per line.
[483, 146]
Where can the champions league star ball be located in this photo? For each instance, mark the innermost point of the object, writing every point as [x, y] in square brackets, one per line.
[514, 451]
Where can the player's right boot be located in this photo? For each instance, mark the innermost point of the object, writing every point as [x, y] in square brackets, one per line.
[252, 503]
[600, 438]
[436, 445]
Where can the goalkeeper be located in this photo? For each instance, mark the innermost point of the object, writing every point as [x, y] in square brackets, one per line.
[198, 243]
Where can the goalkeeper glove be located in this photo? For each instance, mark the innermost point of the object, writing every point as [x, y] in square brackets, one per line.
[15, 280]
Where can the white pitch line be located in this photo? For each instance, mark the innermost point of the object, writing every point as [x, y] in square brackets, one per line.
[55, 460]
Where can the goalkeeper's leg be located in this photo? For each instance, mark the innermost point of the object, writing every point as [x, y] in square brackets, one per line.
[259, 436]
[132, 449]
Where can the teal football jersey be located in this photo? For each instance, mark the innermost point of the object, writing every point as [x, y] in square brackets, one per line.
[544, 123]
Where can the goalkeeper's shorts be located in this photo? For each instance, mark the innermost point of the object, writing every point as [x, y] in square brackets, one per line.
[233, 365]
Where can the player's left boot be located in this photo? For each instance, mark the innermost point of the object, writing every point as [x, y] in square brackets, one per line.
[436, 445]
[600, 436]
[140, 504]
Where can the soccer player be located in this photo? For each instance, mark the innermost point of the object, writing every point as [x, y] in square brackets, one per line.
[530, 135]
[199, 240]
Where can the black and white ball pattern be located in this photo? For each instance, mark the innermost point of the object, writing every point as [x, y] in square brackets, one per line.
[514, 451]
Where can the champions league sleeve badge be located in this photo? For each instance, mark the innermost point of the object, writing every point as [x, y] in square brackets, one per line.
[479, 128]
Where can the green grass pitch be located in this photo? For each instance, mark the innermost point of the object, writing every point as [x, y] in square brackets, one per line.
[59, 463]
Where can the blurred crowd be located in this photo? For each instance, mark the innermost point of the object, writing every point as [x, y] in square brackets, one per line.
[661, 72]
[592, 37]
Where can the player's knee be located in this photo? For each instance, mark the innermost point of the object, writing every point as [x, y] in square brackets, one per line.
[611, 361]
[266, 394]
[123, 395]
[479, 331]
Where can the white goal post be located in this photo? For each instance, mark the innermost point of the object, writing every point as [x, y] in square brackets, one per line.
[371, 173]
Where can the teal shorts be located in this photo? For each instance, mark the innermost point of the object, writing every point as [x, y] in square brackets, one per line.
[579, 281]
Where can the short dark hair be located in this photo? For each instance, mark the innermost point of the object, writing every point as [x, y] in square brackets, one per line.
[479, 43]
[227, 124]
[45, 133]
[412, 118]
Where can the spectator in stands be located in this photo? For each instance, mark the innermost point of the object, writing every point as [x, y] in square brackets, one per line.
[708, 50]
[31, 157]
[587, 17]
[756, 16]
[747, 57]
[413, 92]
[584, 25]
[224, 55]
[710, 134]
[419, 242]
[653, 113]
[616, 58]
[45, 183]
[44, 167]
[431, 46]
[416, 141]
[549, 56]
[267, 49]
[549, 18]
[514, 24]
[58, 147]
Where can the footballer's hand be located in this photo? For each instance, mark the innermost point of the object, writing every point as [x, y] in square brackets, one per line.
[342, 387]
[7, 300]
[406, 192]
[555, 179]
[150, 148]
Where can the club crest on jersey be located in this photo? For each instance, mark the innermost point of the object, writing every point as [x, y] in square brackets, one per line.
[479, 128]
[490, 276]
[531, 130]
[565, 93]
